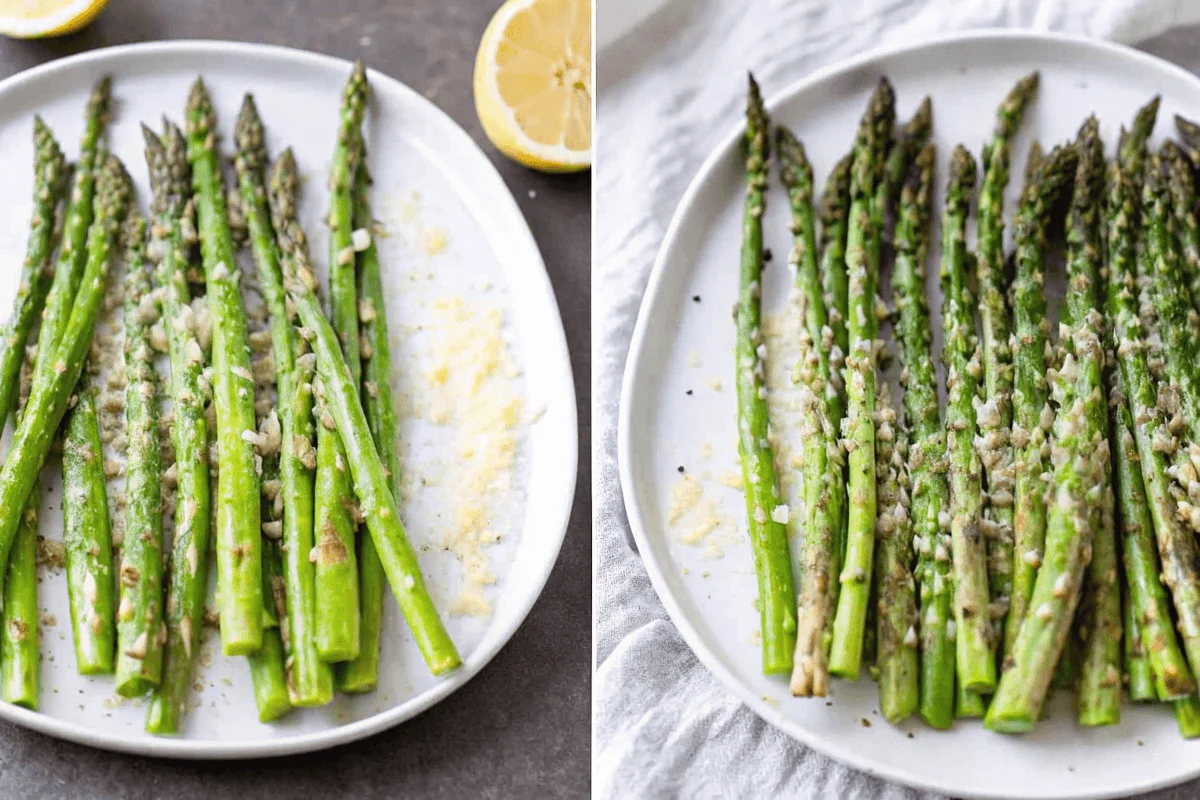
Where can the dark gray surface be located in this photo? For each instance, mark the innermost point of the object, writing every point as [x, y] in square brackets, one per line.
[522, 727]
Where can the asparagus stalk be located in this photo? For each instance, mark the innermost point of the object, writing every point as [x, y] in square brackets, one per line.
[1032, 416]
[338, 614]
[1079, 455]
[50, 393]
[141, 631]
[858, 428]
[1100, 676]
[362, 674]
[48, 171]
[1140, 680]
[267, 673]
[88, 538]
[336, 576]
[1148, 603]
[974, 640]
[310, 680]
[835, 204]
[73, 252]
[995, 324]
[768, 534]
[19, 650]
[1189, 138]
[896, 614]
[1176, 545]
[1182, 193]
[172, 235]
[238, 545]
[20, 657]
[379, 507]
[926, 459]
[822, 464]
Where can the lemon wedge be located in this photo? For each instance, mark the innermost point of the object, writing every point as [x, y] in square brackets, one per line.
[533, 83]
[35, 19]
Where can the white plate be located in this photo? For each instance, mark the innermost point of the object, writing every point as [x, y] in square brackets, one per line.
[680, 344]
[428, 175]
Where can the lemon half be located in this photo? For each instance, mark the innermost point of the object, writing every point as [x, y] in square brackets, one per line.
[34, 19]
[533, 83]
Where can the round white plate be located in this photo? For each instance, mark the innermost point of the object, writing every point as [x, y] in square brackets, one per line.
[433, 187]
[682, 344]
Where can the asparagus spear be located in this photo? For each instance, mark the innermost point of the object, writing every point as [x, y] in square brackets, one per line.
[48, 171]
[19, 651]
[267, 673]
[1149, 604]
[1140, 681]
[362, 674]
[378, 504]
[172, 235]
[338, 614]
[1032, 416]
[995, 324]
[88, 538]
[1182, 193]
[1100, 677]
[50, 394]
[20, 657]
[858, 427]
[239, 556]
[822, 465]
[768, 534]
[835, 203]
[896, 615]
[974, 640]
[926, 460]
[336, 576]
[310, 680]
[1189, 138]
[1176, 545]
[1078, 453]
[141, 631]
[72, 255]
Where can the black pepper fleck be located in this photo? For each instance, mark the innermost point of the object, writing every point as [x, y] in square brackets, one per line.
[689, 392]
[695, 298]
[910, 735]
[681, 468]
[767, 254]
[866, 723]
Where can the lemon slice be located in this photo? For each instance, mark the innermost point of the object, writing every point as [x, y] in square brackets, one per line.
[533, 83]
[34, 19]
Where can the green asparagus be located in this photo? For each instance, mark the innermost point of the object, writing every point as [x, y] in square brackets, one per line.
[974, 637]
[172, 236]
[1032, 416]
[141, 631]
[818, 558]
[896, 613]
[48, 171]
[362, 674]
[858, 428]
[995, 324]
[238, 545]
[88, 538]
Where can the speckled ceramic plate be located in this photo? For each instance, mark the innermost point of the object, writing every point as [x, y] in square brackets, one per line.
[460, 266]
[678, 411]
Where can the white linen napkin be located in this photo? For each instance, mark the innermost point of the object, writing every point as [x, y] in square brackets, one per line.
[667, 94]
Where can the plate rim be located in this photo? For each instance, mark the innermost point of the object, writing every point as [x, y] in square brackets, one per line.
[638, 350]
[481, 170]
